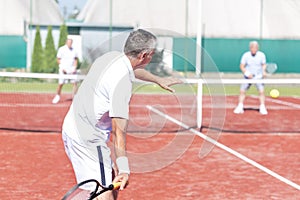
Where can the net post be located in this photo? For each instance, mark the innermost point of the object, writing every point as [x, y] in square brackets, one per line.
[199, 103]
[198, 64]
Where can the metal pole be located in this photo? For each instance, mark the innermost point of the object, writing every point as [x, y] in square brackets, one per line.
[110, 24]
[30, 38]
[261, 19]
[185, 67]
[199, 39]
[186, 17]
[198, 64]
[30, 25]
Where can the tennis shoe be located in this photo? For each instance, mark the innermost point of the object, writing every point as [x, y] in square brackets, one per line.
[263, 110]
[239, 110]
[56, 99]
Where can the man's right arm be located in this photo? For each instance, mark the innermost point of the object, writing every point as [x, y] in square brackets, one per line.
[59, 55]
[58, 60]
[164, 83]
[243, 68]
[119, 127]
[243, 64]
[245, 72]
[119, 112]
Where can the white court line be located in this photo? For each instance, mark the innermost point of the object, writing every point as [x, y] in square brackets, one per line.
[215, 106]
[225, 148]
[281, 102]
[37, 105]
[286, 103]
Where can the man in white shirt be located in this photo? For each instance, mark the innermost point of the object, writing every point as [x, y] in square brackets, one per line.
[67, 61]
[101, 108]
[253, 66]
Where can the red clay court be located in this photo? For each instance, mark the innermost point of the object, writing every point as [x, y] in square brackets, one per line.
[34, 165]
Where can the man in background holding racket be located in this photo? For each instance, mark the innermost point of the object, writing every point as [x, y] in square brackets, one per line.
[253, 66]
[101, 108]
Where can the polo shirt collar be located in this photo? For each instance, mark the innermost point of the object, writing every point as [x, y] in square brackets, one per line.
[129, 67]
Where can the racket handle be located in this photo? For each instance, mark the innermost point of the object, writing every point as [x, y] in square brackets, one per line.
[116, 185]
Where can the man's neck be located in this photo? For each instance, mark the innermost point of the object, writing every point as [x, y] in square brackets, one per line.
[69, 47]
[133, 62]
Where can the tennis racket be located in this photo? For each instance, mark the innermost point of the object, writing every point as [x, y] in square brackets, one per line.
[271, 68]
[78, 192]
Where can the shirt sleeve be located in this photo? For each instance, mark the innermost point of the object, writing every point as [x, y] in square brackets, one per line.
[263, 59]
[244, 59]
[59, 53]
[75, 54]
[120, 97]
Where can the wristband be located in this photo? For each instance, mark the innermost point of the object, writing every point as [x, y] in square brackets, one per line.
[247, 73]
[123, 165]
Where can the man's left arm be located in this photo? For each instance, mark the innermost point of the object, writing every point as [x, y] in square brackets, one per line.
[75, 63]
[264, 66]
[164, 83]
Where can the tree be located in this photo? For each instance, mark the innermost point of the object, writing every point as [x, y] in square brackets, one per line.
[50, 53]
[37, 61]
[63, 35]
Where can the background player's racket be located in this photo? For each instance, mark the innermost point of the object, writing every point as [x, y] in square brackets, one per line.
[271, 68]
[78, 192]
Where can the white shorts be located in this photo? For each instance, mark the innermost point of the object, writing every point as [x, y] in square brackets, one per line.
[89, 162]
[65, 81]
[259, 86]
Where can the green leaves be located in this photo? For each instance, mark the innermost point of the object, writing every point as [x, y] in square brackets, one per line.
[50, 54]
[63, 35]
[37, 62]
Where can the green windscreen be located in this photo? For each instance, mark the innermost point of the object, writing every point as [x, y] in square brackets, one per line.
[226, 53]
[12, 52]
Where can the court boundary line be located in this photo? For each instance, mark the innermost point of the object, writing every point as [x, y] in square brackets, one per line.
[64, 104]
[227, 149]
[281, 102]
[34, 105]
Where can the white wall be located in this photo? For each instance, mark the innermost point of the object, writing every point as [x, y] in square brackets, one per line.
[221, 18]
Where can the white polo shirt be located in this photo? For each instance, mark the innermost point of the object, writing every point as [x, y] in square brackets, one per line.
[67, 57]
[254, 63]
[105, 93]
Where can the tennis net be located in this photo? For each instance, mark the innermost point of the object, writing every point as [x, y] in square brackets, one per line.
[26, 105]
[26, 101]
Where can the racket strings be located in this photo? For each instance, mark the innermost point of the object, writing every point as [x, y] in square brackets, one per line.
[271, 68]
[80, 195]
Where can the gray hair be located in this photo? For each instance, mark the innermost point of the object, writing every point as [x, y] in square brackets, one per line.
[139, 41]
[253, 43]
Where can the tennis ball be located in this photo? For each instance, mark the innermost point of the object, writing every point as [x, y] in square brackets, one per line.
[274, 93]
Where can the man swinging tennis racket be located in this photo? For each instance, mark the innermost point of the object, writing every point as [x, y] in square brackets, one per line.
[101, 108]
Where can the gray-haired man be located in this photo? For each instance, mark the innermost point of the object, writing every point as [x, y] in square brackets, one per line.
[101, 108]
[253, 66]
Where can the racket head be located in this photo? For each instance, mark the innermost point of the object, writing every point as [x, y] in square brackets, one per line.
[83, 191]
[271, 68]
[88, 190]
